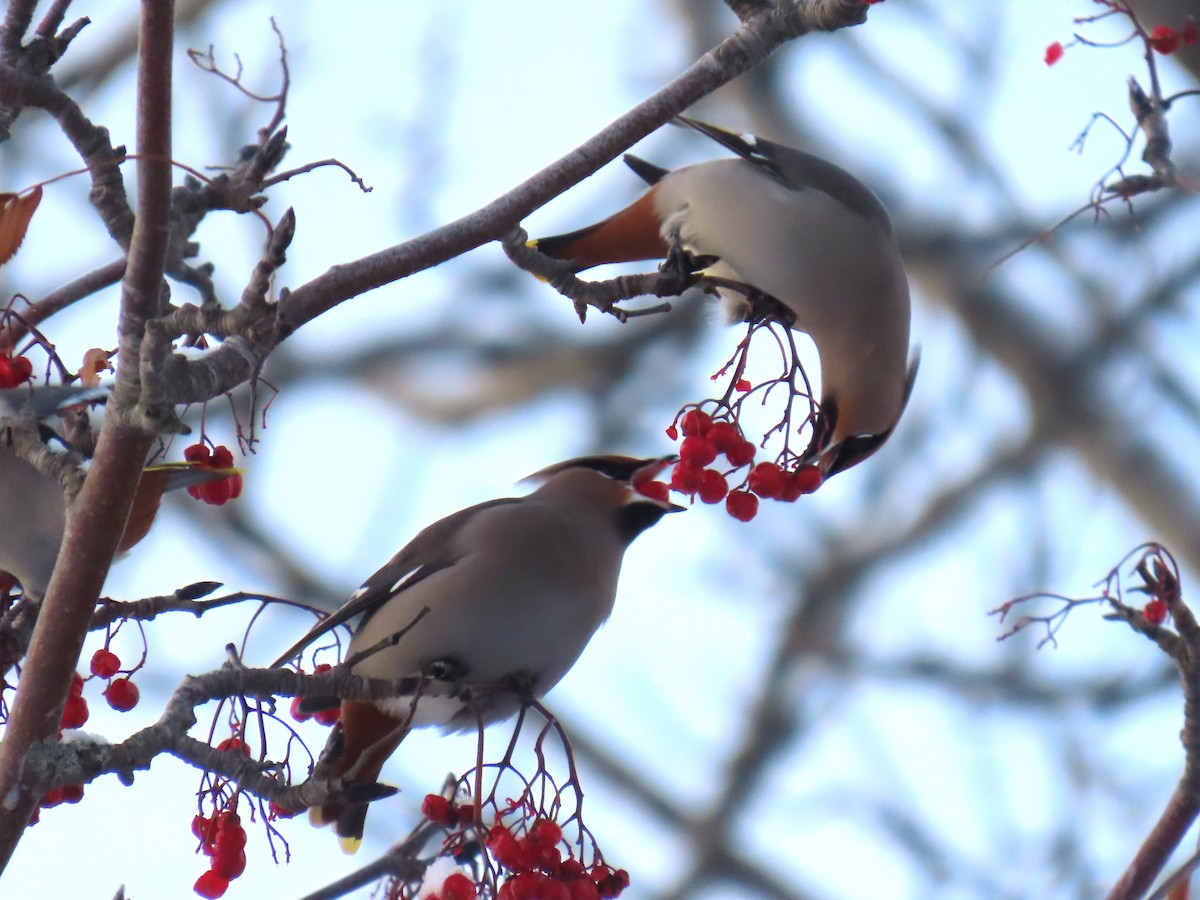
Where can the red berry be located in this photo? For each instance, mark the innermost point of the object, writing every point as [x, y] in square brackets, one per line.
[105, 663]
[327, 717]
[695, 422]
[76, 689]
[222, 458]
[234, 745]
[235, 486]
[1155, 612]
[1053, 53]
[75, 712]
[14, 371]
[724, 435]
[197, 453]
[803, 481]
[322, 667]
[655, 490]
[1164, 39]
[614, 884]
[545, 832]
[713, 486]
[211, 885]
[276, 811]
[1189, 32]
[742, 505]
[296, 712]
[742, 385]
[216, 493]
[810, 478]
[458, 887]
[686, 478]
[439, 810]
[741, 453]
[229, 866]
[503, 846]
[72, 793]
[672, 432]
[230, 835]
[697, 451]
[51, 798]
[766, 480]
[201, 827]
[536, 886]
[548, 859]
[122, 694]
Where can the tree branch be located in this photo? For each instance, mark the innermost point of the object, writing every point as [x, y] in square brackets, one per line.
[95, 523]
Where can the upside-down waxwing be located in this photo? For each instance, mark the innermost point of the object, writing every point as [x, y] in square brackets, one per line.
[512, 591]
[802, 231]
[33, 508]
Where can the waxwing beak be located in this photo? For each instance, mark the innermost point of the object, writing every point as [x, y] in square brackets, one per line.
[647, 474]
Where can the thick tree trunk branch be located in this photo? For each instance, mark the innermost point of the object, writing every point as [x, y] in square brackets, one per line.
[97, 520]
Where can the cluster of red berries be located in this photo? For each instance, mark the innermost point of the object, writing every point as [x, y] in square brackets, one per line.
[68, 793]
[440, 811]
[219, 491]
[121, 693]
[704, 440]
[223, 840]
[539, 870]
[14, 371]
[325, 717]
[75, 714]
[535, 862]
[1155, 612]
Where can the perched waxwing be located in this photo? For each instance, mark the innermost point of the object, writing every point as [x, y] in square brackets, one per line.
[33, 507]
[512, 591]
[800, 230]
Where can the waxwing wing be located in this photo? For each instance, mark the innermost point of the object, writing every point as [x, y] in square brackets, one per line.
[505, 593]
[33, 507]
[802, 231]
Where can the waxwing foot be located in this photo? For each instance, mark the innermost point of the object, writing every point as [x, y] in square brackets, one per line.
[762, 307]
[680, 270]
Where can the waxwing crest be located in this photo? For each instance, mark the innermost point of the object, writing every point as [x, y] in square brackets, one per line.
[647, 171]
[618, 468]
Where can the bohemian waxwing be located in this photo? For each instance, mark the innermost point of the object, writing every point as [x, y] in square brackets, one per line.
[802, 231]
[33, 508]
[514, 589]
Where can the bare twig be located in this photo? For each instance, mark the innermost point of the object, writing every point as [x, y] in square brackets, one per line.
[400, 862]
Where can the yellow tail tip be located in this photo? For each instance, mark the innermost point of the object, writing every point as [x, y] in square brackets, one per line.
[316, 817]
[349, 845]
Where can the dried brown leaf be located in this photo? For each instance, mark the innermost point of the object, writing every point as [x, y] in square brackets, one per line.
[95, 361]
[15, 212]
